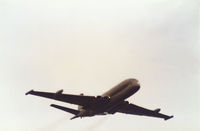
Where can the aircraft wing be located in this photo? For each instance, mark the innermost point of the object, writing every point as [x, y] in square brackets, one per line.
[86, 101]
[137, 110]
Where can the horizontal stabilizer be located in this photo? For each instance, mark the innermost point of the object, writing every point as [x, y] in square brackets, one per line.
[169, 117]
[76, 116]
[72, 111]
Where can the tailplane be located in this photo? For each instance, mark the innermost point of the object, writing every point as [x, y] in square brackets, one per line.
[168, 117]
[72, 111]
[76, 116]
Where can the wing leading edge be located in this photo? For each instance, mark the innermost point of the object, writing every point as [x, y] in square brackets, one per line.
[86, 101]
[137, 110]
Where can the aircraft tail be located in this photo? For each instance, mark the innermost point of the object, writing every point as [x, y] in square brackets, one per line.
[169, 117]
[76, 116]
[72, 111]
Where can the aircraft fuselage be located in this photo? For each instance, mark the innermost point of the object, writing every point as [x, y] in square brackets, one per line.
[116, 96]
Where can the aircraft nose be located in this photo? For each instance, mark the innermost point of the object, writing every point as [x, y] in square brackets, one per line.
[137, 86]
[138, 83]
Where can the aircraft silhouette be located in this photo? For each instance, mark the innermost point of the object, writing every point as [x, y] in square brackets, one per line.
[110, 102]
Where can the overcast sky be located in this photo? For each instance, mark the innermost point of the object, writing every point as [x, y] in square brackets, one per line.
[87, 46]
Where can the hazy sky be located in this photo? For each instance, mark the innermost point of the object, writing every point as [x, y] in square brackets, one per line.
[89, 46]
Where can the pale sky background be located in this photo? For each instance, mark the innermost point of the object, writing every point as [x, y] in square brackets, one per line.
[89, 46]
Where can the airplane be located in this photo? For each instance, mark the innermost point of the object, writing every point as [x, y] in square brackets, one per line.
[110, 102]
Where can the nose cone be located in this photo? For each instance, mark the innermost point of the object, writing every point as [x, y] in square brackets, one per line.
[135, 84]
[137, 87]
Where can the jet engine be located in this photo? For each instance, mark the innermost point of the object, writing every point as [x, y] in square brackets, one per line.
[157, 110]
[59, 91]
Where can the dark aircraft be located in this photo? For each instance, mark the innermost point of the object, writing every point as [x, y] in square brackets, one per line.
[110, 102]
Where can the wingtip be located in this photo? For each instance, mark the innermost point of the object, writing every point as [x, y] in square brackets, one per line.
[52, 105]
[29, 92]
[169, 117]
